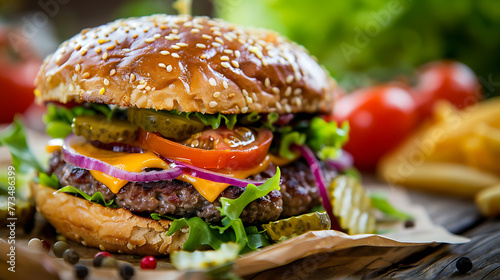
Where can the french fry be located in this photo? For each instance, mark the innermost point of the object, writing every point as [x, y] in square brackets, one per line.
[488, 201]
[456, 153]
[443, 178]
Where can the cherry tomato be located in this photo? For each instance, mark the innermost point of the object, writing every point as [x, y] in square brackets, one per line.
[379, 118]
[445, 80]
[219, 148]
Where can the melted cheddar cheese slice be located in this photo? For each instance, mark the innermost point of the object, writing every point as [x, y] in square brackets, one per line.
[137, 162]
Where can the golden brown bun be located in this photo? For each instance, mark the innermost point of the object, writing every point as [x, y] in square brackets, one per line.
[188, 64]
[112, 230]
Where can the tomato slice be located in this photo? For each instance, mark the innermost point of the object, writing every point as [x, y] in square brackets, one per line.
[230, 157]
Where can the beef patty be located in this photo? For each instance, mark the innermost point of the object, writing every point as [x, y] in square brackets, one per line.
[298, 193]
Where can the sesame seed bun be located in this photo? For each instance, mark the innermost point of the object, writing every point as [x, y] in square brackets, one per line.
[109, 229]
[192, 64]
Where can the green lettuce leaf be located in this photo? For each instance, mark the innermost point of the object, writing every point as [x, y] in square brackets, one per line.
[49, 181]
[14, 138]
[157, 217]
[232, 229]
[96, 197]
[326, 138]
[380, 202]
[58, 119]
[216, 120]
[287, 141]
[232, 208]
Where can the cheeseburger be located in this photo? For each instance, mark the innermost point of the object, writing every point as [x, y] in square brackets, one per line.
[182, 125]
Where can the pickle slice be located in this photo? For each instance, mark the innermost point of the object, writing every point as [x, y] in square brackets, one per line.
[351, 205]
[168, 125]
[297, 225]
[99, 128]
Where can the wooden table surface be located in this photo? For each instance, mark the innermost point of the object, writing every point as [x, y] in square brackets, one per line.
[459, 216]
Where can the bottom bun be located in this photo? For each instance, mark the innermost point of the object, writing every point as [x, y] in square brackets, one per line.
[109, 229]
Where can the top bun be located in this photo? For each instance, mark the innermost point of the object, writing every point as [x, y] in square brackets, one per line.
[191, 64]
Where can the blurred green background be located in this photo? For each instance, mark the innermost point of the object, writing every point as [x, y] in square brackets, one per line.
[359, 41]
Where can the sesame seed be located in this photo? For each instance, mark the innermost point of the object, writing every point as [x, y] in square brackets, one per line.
[278, 106]
[228, 51]
[245, 92]
[78, 47]
[244, 110]
[165, 52]
[175, 31]
[142, 86]
[224, 83]
[111, 47]
[212, 104]
[289, 79]
[86, 75]
[203, 56]
[298, 101]
[297, 91]
[215, 44]
[126, 50]
[199, 26]
[112, 72]
[217, 33]
[254, 96]
[231, 95]
[146, 29]
[162, 65]
[77, 67]
[101, 92]
[102, 41]
[98, 50]
[288, 109]
[267, 82]
[169, 68]
[219, 40]
[216, 94]
[235, 63]
[148, 88]
[237, 53]
[37, 92]
[206, 36]
[105, 55]
[212, 82]
[102, 248]
[288, 91]
[224, 58]
[175, 47]
[132, 77]
[201, 46]
[276, 90]
[163, 27]
[182, 44]
[176, 55]
[195, 30]
[169, 37]
[142, 82]
[157, 36]
[135, 36]
[225, 64]
[130, 246]
[249, 100]
[149, 40]
[83, 52]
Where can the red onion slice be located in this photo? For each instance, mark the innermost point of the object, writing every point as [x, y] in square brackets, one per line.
[211, 175]
[310, 157]
[343, 162]
[79, 160]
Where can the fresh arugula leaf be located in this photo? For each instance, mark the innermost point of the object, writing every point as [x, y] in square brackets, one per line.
[14, 138]
[380, 202]
[232, 208]
[96, 197]
[287, 141]
[326, 138]
[49, 181]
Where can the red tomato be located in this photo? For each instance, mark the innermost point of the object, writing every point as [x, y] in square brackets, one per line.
[222, 154]
[18, 69]
[379, 118]
[446, 80]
